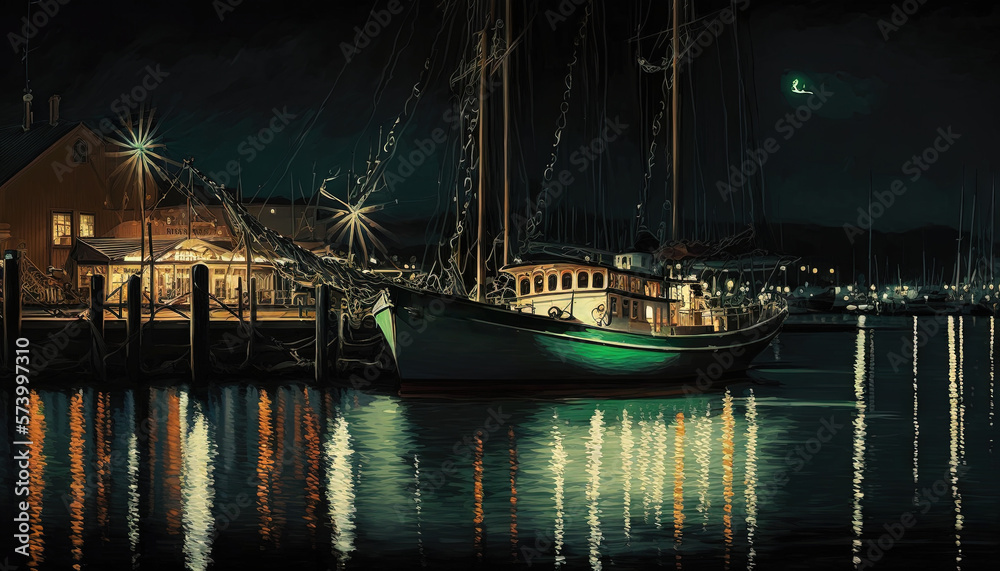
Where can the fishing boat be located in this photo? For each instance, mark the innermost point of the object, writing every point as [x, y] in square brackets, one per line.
[605, 316]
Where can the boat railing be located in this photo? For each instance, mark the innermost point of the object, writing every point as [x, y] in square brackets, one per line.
[735, 317]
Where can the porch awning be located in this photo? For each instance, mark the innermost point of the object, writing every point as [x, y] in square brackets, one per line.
[100, 251]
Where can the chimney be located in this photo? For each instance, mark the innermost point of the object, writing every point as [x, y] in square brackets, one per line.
[27, 111]
[54, 110]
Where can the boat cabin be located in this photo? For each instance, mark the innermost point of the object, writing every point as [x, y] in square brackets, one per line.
[628, 297]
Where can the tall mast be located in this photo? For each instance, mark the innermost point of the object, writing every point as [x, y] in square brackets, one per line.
[993, 228]
[972, 224]
[481, 199]
[506, 134]
[871, 228]
[961, 219]
[675, 173]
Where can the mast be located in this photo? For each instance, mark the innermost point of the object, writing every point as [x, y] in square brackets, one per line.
[961, 218]
[480, 290]
[675, 173]
[972, 224]
[871, 227]
[993, 228]
[506, 134]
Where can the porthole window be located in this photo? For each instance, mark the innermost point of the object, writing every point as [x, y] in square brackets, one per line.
[582, 280]
[539, 283]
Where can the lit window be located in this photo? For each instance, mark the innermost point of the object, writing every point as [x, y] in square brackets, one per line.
[539, 282]
[635, 309]
[525, 286]
[62, 228]
[567, 280]
[598, 280]
[582, 280]
[86, 225]
[614, 305]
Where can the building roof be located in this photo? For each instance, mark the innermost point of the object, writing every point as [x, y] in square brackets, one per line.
[104, 250]
[20, 147]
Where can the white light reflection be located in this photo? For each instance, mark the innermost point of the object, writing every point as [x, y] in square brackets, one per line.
[197, 489]
[627, 444]
[594, 444]
[728, 431]
[679, 430]
[558, 467]
[703, 455]
[916, 424]
[955, 358]
[340, 486]
[132, 515]
[659, 468]
[858, 460]
[750, 478]
[992, 374]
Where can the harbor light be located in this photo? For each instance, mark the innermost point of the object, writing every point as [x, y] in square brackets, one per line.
[787, 289]
[802, 268]
[831, 271]
[729, 285]
[991, 286]
[945, 286]
[815, 270]
[782, 268]
[850, 288]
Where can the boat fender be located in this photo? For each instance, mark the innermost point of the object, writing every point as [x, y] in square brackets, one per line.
[554, 312]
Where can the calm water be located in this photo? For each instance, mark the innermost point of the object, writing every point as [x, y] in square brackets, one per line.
[841, 451]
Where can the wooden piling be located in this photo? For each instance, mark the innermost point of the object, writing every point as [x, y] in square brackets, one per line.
[11, 305]
[97, 297]
[133, 326]
[251, 317]
[199, 324]
[322, 335]
[239, 296]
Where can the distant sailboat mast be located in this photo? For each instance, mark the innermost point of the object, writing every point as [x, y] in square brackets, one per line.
[675, 173]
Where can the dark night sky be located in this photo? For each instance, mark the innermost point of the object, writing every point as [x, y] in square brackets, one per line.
[226, 75]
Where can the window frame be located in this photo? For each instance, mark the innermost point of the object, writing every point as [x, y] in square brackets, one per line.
[583, 279]
[93, 225]
[52, 228]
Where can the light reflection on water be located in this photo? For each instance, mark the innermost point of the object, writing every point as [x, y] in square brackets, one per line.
[339, 478]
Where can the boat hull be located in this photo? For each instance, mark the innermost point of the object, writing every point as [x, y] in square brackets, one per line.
[438, 337]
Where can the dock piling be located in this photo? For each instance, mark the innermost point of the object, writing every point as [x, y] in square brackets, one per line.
[97, 321]
[322, 334]
[199, 323]
[133, 326]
